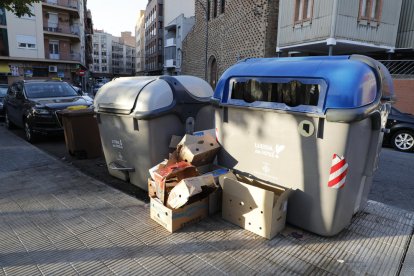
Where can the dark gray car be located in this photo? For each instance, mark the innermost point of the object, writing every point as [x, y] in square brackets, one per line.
[33, 106]
[3, 92]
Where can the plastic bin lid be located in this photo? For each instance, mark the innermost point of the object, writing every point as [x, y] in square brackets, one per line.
[350, 82]
[119, 95]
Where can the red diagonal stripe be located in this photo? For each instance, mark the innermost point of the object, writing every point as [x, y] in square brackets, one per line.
[337, 166]
[337, 179]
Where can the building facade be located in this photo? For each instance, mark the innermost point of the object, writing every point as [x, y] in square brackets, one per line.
[179, 20]
[102, 55]
[49, 44]
[111, 56]
[322, 27]
[154, 36]
[227, 31]
[140, 44]
[123, 58]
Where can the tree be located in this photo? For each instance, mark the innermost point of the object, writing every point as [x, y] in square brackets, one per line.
[18, 7]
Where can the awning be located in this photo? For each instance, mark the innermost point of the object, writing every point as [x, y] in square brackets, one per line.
[4, 68]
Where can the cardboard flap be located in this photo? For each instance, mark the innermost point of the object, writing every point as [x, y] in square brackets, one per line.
[197, 150]
[188, 187]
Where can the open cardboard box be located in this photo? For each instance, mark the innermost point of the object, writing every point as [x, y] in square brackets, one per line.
[254, 205]
[174, 219]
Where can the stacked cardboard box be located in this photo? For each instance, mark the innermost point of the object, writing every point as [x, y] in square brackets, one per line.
[187, 187]
[181, 189]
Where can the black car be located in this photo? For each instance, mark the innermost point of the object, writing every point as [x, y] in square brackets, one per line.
[3, 92]
[33, 106]
[401, 135]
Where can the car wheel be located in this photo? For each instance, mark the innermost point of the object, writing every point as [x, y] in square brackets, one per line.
[403, 140]
[29, 135]
[7, 122]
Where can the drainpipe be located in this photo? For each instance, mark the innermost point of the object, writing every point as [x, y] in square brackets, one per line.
[331, 41]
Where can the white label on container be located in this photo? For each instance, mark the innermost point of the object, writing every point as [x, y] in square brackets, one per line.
[268, 150]
[117, 144]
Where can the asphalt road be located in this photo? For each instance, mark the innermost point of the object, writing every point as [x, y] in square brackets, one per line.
[393, 181]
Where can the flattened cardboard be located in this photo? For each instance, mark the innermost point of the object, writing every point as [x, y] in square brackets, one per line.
[187, 188]
[174, 219]
[198, 150]
[255, 206]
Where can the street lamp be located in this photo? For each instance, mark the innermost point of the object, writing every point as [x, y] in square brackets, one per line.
[206, 44]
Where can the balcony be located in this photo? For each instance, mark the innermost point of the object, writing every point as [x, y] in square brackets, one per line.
[67, 5]
[170, 42]
[73, 56]
[170, 63]
[66, 30]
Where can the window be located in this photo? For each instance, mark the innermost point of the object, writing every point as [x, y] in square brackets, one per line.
[370, 10]
[303, 10]
[208, 10]
[26, 41]
[222, 6]
[291, 93]
[214, 8]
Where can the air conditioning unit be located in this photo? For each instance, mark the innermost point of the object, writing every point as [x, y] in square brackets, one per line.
[53, 68]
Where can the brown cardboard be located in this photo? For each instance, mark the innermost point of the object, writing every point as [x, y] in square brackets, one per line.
[168, 176]
[198, 150]
[174, 141]
[152, 192]
[174, 219]
[187, 188]
[254, 205]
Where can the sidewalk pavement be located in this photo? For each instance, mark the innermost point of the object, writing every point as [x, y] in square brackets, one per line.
[55, 220]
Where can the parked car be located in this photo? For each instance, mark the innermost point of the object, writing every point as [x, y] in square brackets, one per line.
[3, 92]
[33, 106]
[401, 126]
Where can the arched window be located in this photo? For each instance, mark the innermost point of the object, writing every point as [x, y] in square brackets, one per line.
[213, 72]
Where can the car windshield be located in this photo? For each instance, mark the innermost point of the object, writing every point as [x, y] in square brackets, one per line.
[49, 90]
[3, 91]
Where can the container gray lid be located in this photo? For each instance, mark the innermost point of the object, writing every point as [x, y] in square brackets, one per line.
[119, 95]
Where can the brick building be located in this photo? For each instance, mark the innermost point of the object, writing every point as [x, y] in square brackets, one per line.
[237, 29]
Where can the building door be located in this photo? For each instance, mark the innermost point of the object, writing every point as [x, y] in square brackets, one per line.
[54, 49]
[52, 22]
[213, 72]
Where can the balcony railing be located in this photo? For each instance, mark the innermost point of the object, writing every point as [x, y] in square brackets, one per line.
[73, 4]
[74, 56]
[62, 29]
[400, 69]
[170, 63]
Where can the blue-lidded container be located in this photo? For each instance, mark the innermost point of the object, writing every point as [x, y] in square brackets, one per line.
[313, 124]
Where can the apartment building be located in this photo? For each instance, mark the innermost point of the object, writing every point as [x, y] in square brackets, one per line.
[49, 44]
[154, 36]
[123, 57]
[102, 55]
[140, 44]
[227, 31]
[179, 20]
[111, 56]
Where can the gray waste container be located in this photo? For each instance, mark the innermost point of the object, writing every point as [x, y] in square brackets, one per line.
[138, 115]
[313, 124]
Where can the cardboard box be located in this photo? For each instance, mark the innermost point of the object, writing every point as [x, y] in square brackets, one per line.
[254, 205]
[174, 219]
[166, 177]
[152, 192]
[198, 150]
[189, 187]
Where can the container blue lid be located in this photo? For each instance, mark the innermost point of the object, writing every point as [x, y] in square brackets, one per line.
[350, 83]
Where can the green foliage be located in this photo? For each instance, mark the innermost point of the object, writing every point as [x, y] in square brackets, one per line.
[18, 7]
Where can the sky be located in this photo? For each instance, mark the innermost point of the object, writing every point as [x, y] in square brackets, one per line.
[115, 16]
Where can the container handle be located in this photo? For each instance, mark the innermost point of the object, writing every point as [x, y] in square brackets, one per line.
[116, 167]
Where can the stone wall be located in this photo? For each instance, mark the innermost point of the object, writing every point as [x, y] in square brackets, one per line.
[245, 29]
